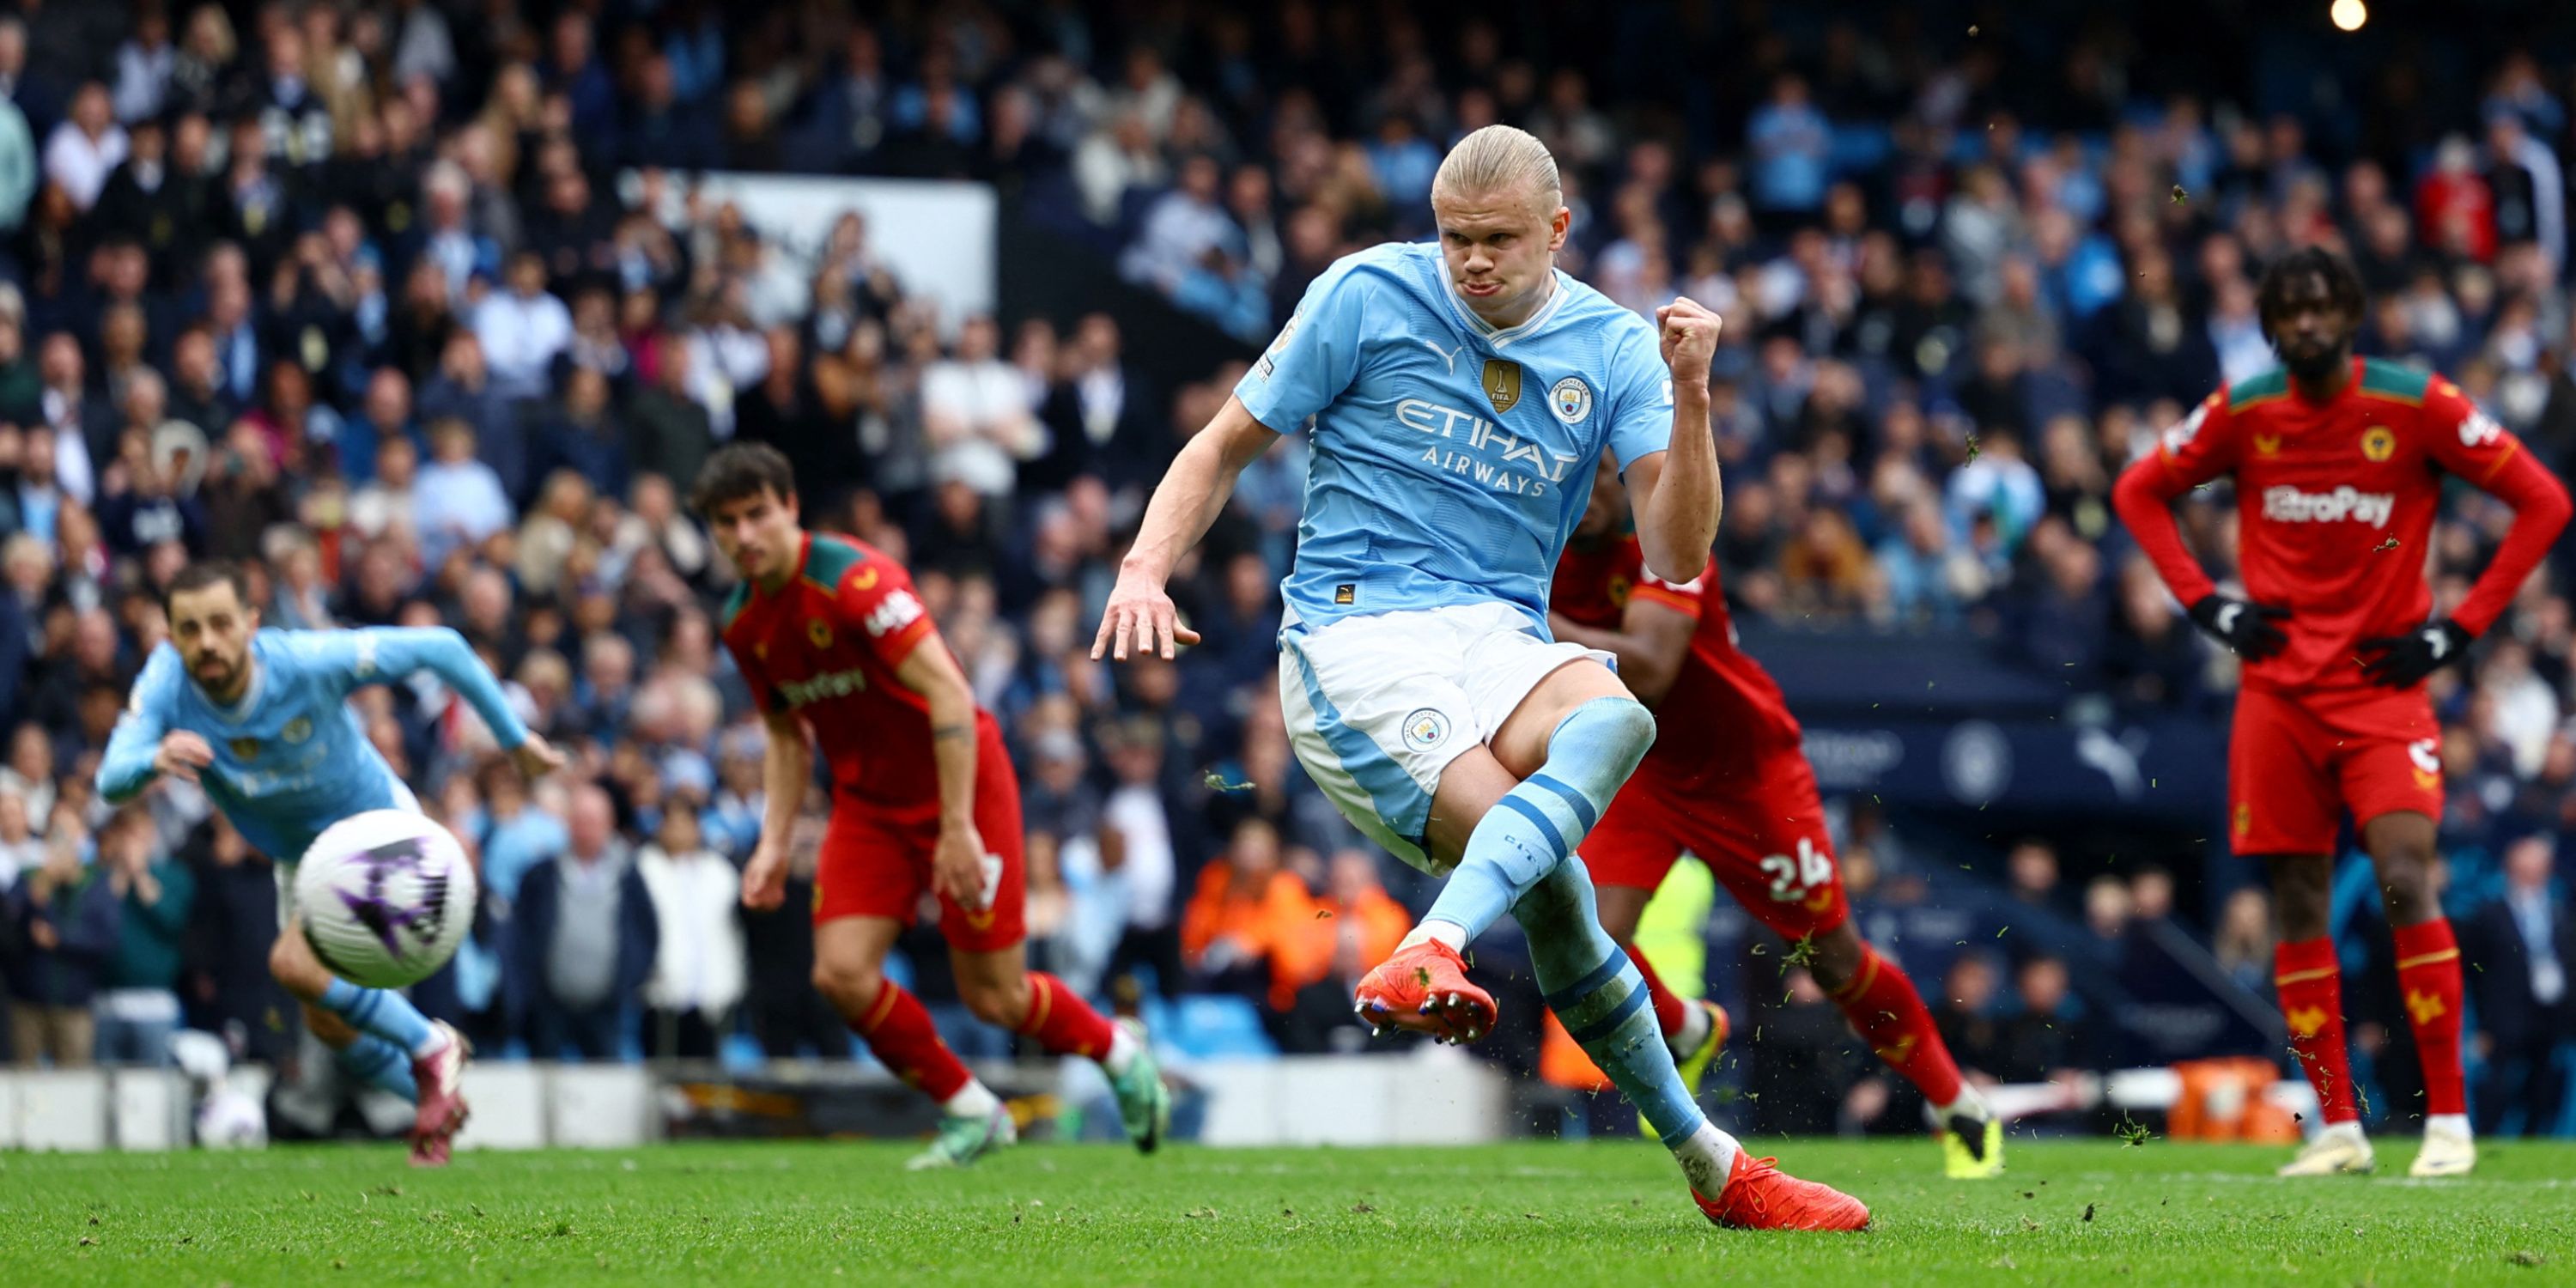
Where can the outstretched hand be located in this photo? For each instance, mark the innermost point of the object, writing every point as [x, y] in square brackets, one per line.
[1140, 616]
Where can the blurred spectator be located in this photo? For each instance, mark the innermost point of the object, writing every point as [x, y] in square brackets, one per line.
[2521, 946]
[21, 850]
[786, 1014]
[465, 391]
[522, 329]
[1788, 141]
[1182, 226]
[1360, 926]
[583, 937]
[1807, 1059]
[2049, 1036]
[64, 922]
[2031, 871]
[138, 1001]
[975, 414]
[669, 434]
[85, 147]
[2243, 943]
[1964, 1014]
[1250, 927]
[456, 500]
[229, 990]
[697, 977]
[1136, 856]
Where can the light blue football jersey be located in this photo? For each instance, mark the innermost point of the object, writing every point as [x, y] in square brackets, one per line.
[1450, 461]
[291, 758]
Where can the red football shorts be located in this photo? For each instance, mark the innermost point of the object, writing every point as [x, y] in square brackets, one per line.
[874, 866]
[2297, 761]
[1766, 842]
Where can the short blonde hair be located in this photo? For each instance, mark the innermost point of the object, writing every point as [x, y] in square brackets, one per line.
[1499, 159]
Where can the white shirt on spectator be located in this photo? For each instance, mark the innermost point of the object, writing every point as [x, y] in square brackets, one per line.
[521, 337]
[1104, 171]
[725, 359]
[1102, 392]
[39, 795]
[1135, 812]
[74, 472]
[2525, 717]
[80, 163]
[699, 964]
[456, 503]
[375, 508]
[977, 416]
[20, 856]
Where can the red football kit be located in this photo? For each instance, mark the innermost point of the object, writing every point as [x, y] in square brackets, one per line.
[2335, 504]
[1727, 778]
[826, 648]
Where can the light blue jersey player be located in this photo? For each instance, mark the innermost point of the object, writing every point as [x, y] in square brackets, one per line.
[1457, 398]
[260, 719]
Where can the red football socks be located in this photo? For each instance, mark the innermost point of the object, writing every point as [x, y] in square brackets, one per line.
[1885, 1009]
[1670, 1009]
[2310, 984]
[2428, 977]
[1062, 1022]
[900, 1032]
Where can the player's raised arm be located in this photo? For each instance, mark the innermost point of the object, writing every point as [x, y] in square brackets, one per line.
[383, 654]
[1193, 492]
[1676, 489]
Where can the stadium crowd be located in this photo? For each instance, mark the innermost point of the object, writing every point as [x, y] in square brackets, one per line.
[407, 306]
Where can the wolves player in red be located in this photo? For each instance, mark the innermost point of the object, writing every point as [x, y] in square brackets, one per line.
[2338, 463]
[1727, 780]
[830, 637]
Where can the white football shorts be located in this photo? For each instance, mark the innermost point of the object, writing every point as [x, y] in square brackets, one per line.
[1377, 706]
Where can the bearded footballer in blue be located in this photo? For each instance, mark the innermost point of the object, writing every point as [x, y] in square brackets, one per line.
[260, 719]
[1458, 394]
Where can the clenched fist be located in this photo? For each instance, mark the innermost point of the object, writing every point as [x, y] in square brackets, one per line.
[1689, 338]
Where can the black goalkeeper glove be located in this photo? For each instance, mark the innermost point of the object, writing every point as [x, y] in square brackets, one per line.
[2242, 625]
[2405, 660]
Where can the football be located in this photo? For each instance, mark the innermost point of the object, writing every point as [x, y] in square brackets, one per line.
[386, 896]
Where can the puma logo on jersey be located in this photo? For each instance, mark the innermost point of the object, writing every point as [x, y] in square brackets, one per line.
[1448, 357]
[2287, 504]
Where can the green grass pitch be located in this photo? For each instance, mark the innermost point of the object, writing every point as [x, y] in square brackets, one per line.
[1554, 1214]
